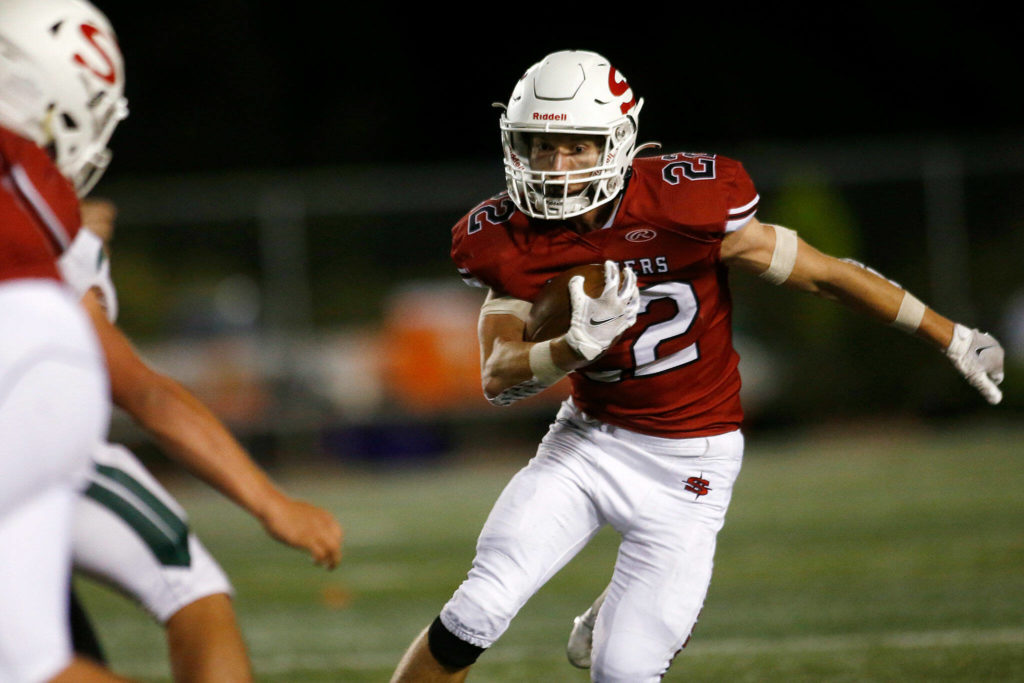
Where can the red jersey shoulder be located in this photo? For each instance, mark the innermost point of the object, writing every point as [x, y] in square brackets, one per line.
[496, 211]
[706, 193]
[483, 237]
[39, 183]
[38, 210]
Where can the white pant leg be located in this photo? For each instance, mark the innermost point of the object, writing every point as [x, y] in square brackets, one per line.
[54, 392]
[35, 643]
[54, 406]
[665, 560]
[542, 519]
[132, 535]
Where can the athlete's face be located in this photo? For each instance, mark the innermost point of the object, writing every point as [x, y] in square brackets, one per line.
[562, 152]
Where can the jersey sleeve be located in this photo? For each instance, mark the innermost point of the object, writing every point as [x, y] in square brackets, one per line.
[461, 254]
[742, 201]
[45, 193]
[703, 195]
[38, 210]
[478, 243]
[85, 265]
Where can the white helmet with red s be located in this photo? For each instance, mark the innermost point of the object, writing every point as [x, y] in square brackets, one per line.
[62, 82]
[569, 92]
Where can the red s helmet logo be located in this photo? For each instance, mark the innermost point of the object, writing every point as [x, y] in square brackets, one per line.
[618, 89]
[107, 71]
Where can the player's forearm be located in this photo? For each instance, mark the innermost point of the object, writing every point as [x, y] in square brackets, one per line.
[936, 329]
[857, 288]
[190, 434]
[509, 363]
[861, 289]
[184, 428]
[506, 360]
[778, 256]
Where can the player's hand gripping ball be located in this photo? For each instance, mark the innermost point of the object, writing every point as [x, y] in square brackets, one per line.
[552, 310]
[592, 305]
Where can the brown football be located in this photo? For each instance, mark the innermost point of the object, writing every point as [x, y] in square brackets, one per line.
[552, 312]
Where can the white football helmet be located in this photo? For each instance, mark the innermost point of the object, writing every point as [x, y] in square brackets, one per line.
[574, 92]
[62, 82]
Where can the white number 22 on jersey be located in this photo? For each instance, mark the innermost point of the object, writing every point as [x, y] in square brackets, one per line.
[645, 348]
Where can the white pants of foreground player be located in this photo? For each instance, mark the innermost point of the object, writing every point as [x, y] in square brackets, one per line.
[666, 497]
[54, 407]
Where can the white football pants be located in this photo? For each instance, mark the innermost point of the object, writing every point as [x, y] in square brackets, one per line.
[667, 498]
[54, 407]
[132, 535]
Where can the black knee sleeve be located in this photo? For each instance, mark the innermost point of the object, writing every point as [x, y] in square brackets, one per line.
[449, 650]
[83, 636]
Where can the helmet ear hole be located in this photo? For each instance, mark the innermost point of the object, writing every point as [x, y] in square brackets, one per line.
[69, 121]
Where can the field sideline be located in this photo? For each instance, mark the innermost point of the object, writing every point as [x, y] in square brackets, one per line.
[866, 555]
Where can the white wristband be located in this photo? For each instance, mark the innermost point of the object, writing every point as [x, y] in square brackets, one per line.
[783, 256]
[911, 312]
[542, 364]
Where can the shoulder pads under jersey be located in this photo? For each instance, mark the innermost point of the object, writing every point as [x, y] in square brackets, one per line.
[85, 265]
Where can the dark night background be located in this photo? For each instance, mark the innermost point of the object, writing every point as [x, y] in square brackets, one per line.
[229, 84]
[887, 133]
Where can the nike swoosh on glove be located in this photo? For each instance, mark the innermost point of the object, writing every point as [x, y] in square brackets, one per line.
[979, 358]
[598, 322]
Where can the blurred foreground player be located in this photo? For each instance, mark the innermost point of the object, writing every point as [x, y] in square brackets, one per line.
[650, 440]
[61, 81]
[130, 533]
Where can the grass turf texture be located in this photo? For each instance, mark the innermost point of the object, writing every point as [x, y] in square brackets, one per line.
[866, 555]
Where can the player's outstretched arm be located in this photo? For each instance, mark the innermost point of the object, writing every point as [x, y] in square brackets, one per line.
[779, 256]
[187, 431]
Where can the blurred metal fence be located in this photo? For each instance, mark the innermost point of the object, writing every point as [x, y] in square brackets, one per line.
[950, 210]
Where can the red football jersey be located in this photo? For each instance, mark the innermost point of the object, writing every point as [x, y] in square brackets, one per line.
[674, 373]
[39, 213]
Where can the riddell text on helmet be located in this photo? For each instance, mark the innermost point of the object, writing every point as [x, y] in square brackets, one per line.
[550, 117]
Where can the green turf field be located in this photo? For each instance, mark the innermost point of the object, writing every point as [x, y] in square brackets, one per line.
[865, 555]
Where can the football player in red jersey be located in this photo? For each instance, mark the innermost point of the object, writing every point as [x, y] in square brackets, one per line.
[61, 84]
[649, 441]
[61, 95]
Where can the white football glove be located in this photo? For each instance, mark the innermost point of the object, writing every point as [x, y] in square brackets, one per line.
[596, 323]
[979, 358]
